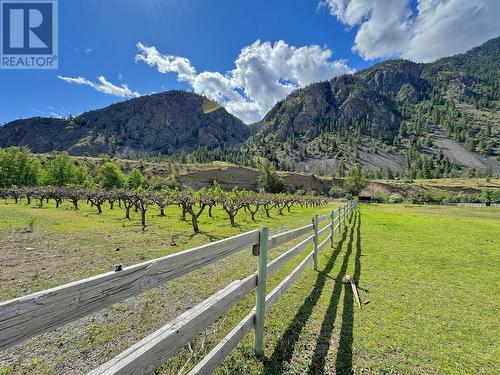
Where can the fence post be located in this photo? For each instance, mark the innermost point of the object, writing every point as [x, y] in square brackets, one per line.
[315, 252]
[332, 218]
[260, 311]
[340, 218]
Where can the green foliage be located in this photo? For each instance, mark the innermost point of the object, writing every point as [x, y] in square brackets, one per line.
[135, 179]
[18, 167]
[83, 177]
[395, 198]
[355, 181]
[269, 180]
[337, 191]
[487, 196]
[110, 176]
[60, 170]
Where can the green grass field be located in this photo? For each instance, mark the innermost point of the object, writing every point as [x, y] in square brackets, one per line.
[429, 277]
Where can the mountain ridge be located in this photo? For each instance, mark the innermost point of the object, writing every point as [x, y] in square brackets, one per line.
[163, 123]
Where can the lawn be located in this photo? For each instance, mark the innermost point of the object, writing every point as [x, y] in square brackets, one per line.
[428, 276]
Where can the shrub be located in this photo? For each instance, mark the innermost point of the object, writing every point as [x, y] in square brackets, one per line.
[336, 191]
[395, 198]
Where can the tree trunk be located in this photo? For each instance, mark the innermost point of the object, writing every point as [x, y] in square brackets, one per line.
[183, 218]
[210, 211]
[143, 218]
[75, 204]
[267, 209]
[111, 205]
[99, 208]
[231, 219]
[162, 211]
[127, 211]
[194, 221]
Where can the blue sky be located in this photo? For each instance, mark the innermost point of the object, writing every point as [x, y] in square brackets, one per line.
[99, 38]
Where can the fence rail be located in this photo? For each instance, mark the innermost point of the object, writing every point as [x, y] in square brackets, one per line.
[27, 316]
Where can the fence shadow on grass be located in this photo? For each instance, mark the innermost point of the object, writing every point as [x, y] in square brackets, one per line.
[318, 360]
[285, 346]
[343, 363]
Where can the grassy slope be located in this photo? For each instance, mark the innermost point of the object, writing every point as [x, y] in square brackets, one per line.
[430, 273]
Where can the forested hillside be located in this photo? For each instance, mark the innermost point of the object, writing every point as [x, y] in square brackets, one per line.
[429, 120]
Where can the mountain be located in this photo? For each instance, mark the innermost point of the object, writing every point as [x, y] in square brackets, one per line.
[161, 123]
[420, 120]
[397, 115]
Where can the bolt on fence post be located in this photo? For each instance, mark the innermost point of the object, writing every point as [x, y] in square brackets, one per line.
[260, 309]
[315, 252]
[332, 218]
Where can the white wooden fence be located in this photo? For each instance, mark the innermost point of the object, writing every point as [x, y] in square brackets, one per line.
[27, 316]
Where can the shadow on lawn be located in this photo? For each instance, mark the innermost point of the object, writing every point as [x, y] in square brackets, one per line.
[278, 362]
[344, 356]
[343, 364]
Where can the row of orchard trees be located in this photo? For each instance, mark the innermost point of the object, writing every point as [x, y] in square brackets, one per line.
[192, 203]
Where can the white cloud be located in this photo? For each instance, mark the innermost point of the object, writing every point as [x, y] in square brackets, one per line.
[438, 28]
[103, 86]
[264, 74]
[166, 63]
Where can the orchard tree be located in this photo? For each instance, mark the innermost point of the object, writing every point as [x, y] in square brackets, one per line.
[129, 199]
[97, 198]
[193, 203]
[253, 203]
[213, 196]
[232, 202]
[144, 200]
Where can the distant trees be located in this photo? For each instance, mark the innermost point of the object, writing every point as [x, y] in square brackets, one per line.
[60, 170]
[110, 176]
[269, 180]
[18, 167]
[355, 181]
[135, 179]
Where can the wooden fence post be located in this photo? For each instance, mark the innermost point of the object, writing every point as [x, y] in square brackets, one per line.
[260, 311]
[340, 218]
[332, 220]
[315, 252]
